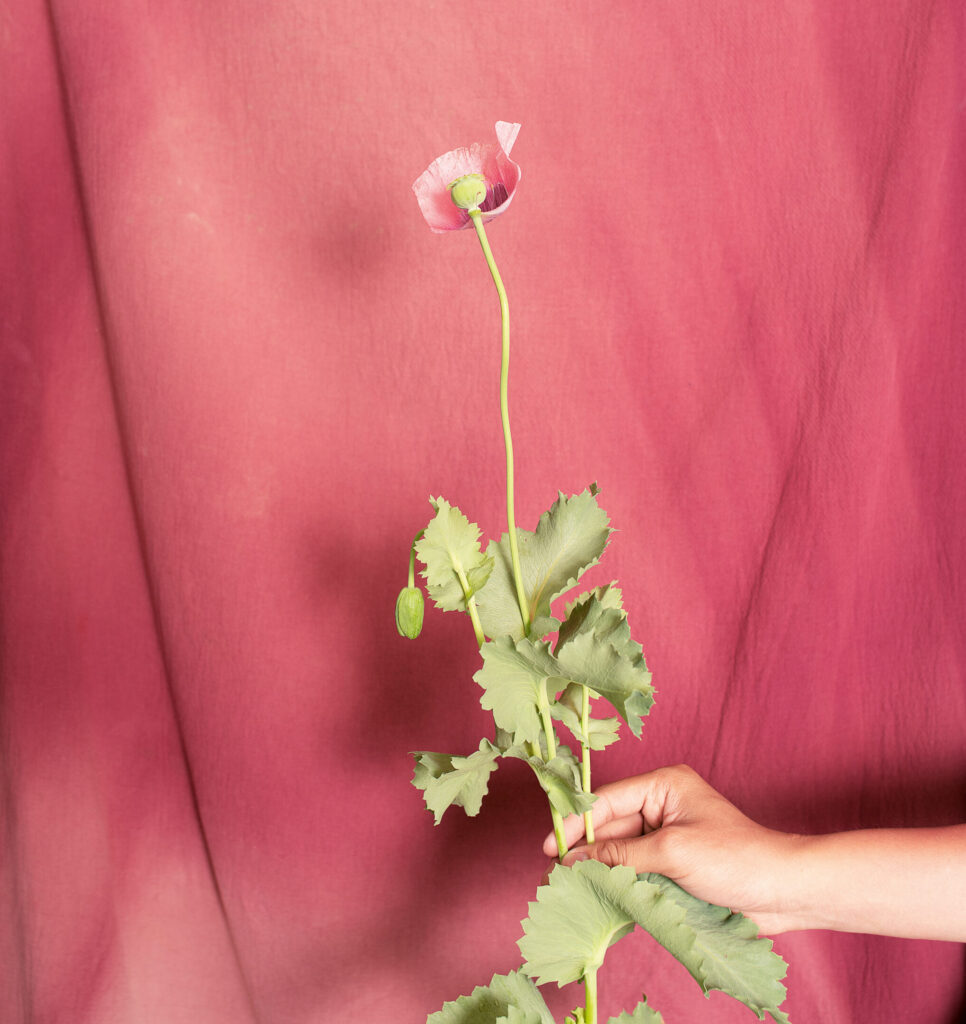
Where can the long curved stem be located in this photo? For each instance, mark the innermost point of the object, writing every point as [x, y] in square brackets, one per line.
[477, 219]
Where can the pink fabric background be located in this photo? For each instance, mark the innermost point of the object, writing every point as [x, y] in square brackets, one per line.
[235, 364]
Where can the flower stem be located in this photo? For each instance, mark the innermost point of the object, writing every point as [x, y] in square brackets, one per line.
[585, 760]
[477, 219]
[412, 558]
[590, 992]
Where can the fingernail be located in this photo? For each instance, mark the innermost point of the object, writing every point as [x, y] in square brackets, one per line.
[572, 858]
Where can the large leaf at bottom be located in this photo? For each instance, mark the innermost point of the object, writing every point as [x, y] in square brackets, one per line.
[582, 911]
[586, 908]
[727, 953]
[508, 999]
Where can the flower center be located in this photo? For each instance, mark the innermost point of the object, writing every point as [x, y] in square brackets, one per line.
[495, 197]
[469, 191]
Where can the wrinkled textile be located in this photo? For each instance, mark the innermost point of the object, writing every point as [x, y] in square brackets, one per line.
[234, 364]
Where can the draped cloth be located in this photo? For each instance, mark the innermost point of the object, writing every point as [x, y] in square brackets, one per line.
[234, 364]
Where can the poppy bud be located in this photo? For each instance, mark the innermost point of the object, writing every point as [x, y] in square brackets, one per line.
[469, 191]
[409, 612]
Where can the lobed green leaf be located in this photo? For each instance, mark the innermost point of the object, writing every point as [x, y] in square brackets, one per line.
[508, 999]
[448, 548]
[601, 732]
[447, 780]
[595, 648]
[586, 908]
[727, 953]
[608, 596]
[560, 779]
[512, 676]
[570, 538]
[582, 911]
[642, 1014]
[514, 672]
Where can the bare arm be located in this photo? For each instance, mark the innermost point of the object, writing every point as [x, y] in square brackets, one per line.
[902, 882]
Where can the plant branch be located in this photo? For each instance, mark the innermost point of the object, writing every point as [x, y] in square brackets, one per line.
[477, 218]
[471, 607]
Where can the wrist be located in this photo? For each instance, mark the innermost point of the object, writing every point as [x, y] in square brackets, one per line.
[797, 884]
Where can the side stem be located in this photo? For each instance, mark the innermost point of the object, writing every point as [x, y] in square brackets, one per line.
[471, 607]
[585, 761]
[477, 219]
[550, 736]
[412, 558]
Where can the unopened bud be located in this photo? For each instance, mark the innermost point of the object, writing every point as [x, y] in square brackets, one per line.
[469, 191]
[409, 612]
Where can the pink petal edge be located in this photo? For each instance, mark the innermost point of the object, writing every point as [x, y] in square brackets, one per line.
[431, 187]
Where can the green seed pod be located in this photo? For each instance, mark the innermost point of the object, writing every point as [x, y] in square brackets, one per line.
[469, 191]
[409, 612]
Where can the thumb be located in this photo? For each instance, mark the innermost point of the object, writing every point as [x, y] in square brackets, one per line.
[636, 852]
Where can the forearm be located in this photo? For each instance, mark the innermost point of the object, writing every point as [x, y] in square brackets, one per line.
[902, 882]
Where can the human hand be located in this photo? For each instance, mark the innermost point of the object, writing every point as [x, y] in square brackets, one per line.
[671, 822]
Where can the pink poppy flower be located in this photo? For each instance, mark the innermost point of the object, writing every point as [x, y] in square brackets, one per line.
[493, 161]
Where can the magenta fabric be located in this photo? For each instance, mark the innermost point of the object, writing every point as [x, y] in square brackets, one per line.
[236, 363]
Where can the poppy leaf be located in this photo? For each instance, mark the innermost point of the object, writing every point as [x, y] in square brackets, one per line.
[512, 676]
[727, 953]
[582, 911]
[446, 779]
[586, 908]
[508, 999]
[642, 1014]
[560, 779]
[448, 548]
[601, 732]
[569, 539]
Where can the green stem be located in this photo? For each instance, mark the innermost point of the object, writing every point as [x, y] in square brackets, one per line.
[590, 991]
[585, 761]
[477, 219]
[550, 736]
[412, 558]
[558, 833]
[471, 607]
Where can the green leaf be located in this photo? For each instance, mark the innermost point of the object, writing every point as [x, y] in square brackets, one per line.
[560, 779]
[450, 547]
[586, 908]
[597, 615]
[596, 649]
[582, 911]
[727, 953]
[508, 999]
[609, 595]
[511, 677]
[569, 539]
[446, 780]
[601, 732]
[642, 1014]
